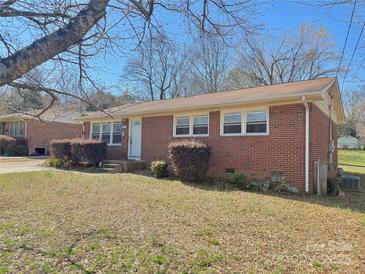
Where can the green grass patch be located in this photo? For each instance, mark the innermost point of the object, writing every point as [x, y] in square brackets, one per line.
[56, 222]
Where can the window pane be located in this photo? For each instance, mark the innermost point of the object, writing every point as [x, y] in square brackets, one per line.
[117, 127]
[232, 123]
[256, 116]
[117, 138]
[232, 128]
[21, 129]
[201, 120]
[12, 129]
[95, 133]
[198, 130]
[182, 130]
[96, 128]
[183, 121]
[106, 131]
[17, 129]
[117, 133]
[106, 128]
[256, 128]
[200, 125]
[183, 125]
[232, 117]
[105, 138]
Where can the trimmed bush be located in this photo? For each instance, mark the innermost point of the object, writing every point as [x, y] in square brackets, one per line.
[89, 152]
[190, 160]
[6, 142]
[17, 150]
[159, 169]
[240, 181]
[73, 152]
[61, 149]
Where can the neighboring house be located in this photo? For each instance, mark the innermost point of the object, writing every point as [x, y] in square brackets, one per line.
[255, 131]
[347, 141]
[38, 132]
[360, 131]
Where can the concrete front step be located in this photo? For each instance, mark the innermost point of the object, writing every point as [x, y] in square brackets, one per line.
[115, 166]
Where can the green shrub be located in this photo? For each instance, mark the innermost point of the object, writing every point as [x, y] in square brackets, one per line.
[17, 150]
[5, 143]
[54, 162]
[61, 149]
[190, 160]
[159, 169]
[74, 152]
[239, 180]
[90, 152]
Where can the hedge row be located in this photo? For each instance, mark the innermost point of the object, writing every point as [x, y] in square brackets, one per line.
[79, 151]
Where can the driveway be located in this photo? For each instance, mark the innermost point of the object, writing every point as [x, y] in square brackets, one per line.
[21, 164]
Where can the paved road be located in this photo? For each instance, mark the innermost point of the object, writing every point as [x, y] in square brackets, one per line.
[21, 164]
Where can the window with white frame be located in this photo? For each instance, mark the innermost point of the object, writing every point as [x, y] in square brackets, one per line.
[245, 122]
[182, 126]
[232, 123]
[200, 125]
[17, 129]
[117, 133]
[95, 131]
[108, 132]
[193, 125]
[256, 122]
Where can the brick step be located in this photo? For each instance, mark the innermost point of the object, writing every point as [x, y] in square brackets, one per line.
[115, 166]
[108, 165]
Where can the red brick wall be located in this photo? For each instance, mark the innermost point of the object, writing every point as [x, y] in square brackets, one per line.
[319, 139]
[40, 134]
[156, 135]
[256, 156]
[113, 152]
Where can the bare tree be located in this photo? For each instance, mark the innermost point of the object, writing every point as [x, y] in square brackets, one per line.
[354, 103]
[62, 35]
[155, 70]
[208, 64]
[309, 55]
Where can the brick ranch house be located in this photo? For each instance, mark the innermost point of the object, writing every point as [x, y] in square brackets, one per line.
[38, 132]
[255, 131]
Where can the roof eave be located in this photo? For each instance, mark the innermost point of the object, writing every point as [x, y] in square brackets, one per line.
[313, 95]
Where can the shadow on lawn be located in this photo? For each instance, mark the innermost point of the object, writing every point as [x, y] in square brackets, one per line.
[352, 201]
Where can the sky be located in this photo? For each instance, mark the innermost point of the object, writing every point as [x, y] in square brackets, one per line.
[276, 18]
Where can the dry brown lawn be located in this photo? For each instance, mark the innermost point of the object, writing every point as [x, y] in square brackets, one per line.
[54, 221]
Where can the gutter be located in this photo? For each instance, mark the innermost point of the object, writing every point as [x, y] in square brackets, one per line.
[267, 100]
[306, 165]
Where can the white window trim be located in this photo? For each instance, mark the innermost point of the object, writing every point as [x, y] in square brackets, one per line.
[191, 126]
[17, 121]
[244, 120]
[111, 132]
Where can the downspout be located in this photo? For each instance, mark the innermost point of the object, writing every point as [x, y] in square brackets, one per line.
[306, 171]
[330, 153]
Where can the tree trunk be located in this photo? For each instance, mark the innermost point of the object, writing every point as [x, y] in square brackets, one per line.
[26, 59]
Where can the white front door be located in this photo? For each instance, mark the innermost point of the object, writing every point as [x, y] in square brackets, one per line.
[134, 148]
